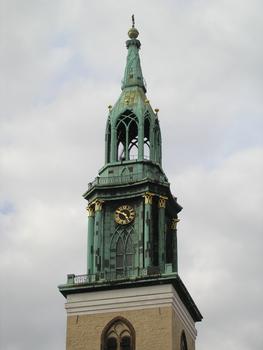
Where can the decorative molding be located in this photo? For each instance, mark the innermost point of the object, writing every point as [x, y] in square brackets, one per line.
[148, 198]
[162, 201]
[129, 97]
[98, 205]
[130, 299]
[174, 223]
[90, 209]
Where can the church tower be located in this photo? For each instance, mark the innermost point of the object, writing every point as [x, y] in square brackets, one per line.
[131, 297]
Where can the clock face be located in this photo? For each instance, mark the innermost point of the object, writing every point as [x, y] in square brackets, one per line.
[124, 215]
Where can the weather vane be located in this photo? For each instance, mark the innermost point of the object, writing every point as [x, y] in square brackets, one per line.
[133, 21]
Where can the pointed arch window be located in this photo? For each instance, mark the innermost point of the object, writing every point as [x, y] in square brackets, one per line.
[157, 143]
[127, 136]
[146, 141]
[119, 334]
[126, 343]
[121, 140]
[122, 252]
[120, 255]
[128, 252]
[111, 343]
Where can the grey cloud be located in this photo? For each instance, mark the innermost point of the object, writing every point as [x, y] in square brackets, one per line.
[202, 63]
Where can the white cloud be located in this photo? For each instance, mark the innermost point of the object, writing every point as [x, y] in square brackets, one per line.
[221, 235]
[62, 65]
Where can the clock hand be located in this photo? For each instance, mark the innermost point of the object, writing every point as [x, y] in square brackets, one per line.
[122, 213]
[127, 217]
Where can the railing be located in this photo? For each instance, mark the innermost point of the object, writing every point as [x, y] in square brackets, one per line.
[134, 156]
[112, 276]
[120, 179]
[126, 179]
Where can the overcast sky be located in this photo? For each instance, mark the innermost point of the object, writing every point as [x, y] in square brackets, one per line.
[61, 66]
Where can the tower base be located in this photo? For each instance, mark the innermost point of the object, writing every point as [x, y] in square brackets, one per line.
[154, 316]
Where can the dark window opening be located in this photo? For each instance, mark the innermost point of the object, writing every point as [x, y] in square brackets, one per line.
[127, 137]
[183, 342]
[157, 143]
[111, 344]
[126, 343]
[146, 141]
[108, 142]
[121, 143]
[119, 334]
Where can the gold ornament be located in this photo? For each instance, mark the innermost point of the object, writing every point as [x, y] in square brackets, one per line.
[124, 214]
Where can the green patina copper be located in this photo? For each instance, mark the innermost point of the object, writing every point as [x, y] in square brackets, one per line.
[132, 175]
[141, 250]
[133, 106]
[133, 71]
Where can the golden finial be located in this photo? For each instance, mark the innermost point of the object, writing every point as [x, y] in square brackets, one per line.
[110, 107]
[156, 110]
[133, 32]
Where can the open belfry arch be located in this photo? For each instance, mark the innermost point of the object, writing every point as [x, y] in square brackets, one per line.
[131, 296]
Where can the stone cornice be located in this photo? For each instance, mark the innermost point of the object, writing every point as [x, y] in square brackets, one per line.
[131, 299]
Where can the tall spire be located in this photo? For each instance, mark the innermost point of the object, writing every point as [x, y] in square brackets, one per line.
[133, 71]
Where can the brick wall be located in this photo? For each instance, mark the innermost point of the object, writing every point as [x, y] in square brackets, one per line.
[155, 328]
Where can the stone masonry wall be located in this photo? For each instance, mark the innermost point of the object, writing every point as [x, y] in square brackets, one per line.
[155, 328]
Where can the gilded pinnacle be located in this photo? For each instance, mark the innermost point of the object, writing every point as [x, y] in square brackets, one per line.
[133, 32]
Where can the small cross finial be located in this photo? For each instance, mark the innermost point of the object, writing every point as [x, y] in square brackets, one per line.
[133, 21]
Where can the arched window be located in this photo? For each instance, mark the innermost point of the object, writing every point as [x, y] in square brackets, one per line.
[118, 334]
[127, 136]
[133, 140]
[146, 146]
[157, 143]
[121, 140]
[124, 255]
[183, 345]
[111, 343]
[121, 251]
[119, 256]
[128, 252]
